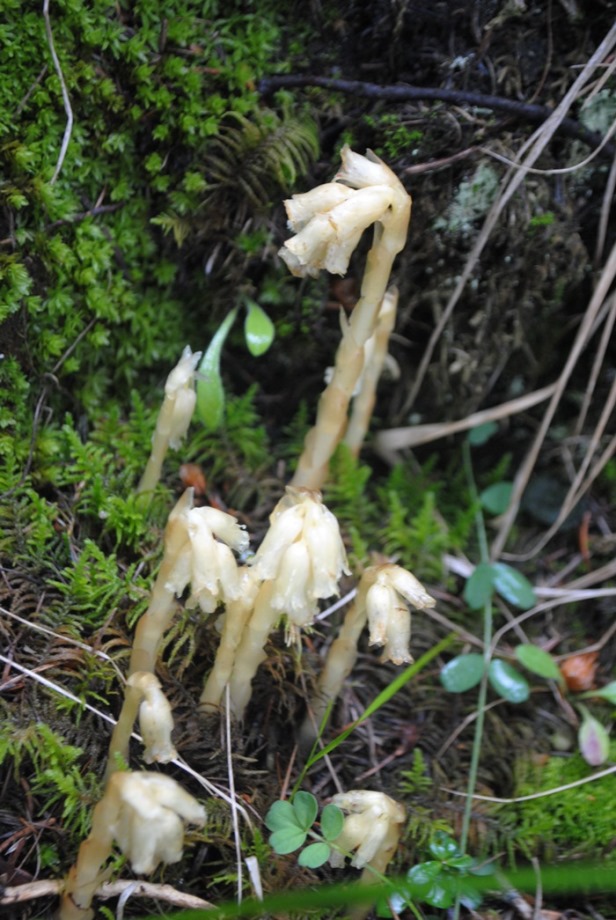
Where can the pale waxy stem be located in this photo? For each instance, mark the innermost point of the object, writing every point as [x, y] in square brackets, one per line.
[174, 416]
[300, 561]
[383, 595]
[251, 649]
[236, 616]
[157, 618]
[145, 814]
[328, 231]
[143, 697]
[375, 355]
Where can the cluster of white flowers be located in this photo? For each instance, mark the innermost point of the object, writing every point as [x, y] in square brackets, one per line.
[391, 589]
[201, 540]
[302, 554]
[371, 828]
[329, 220]
[150, 811]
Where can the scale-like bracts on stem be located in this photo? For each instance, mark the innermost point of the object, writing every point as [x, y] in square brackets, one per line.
[328, 222]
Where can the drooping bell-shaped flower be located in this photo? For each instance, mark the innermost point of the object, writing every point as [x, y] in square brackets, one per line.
[371, 829]
[386, 600]
[302, 554]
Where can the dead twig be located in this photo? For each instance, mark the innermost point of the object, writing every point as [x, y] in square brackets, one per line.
[52, 887]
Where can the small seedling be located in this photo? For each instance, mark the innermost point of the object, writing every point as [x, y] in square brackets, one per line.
[292, 823]
[259, 334]
[443, 879]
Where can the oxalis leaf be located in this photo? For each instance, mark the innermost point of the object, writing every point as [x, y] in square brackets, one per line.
[508, 682]
[210, 391]
[281, 814]
[332, 821]
[258, 329]
[314, 855]
[305, 807]
[462, 673]
[287, 839]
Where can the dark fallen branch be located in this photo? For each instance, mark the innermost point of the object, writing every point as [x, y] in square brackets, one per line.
[405, 93]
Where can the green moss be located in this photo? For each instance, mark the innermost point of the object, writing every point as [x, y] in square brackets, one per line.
[572, 823]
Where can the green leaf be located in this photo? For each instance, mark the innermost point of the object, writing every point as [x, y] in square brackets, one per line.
[281, 814]
[538, 661]
[508, 682]
[462, 673]
[210, 391]
[479, 587]
[482, 433]
[443, 846]
[305, 807]
[495, 499]
[314, 855]
[287, 839]
[421, 878]
[332, 821]
[513, 586]
[258, 329]
[605, 693]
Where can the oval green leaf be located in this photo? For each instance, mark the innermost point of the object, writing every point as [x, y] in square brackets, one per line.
[305, 807]
[462, 673]
[495, 499]
[422, 877]
[508, 682]
[210, 391]
[482, 433]
[538, 661]
[258, 329]
[443, 846]
[314, 855]
[479, 587]
[287, 839]
[513, 586]
[332, 821]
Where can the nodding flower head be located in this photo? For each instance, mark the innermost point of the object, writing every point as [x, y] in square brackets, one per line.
[386, 592]
[330, 219]
[302, 554]
[202, 540]
[149, 822]
[371, 828]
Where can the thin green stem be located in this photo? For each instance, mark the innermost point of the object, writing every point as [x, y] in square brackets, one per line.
[487, 639]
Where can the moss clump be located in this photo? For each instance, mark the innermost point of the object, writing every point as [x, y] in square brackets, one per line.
[574, 823]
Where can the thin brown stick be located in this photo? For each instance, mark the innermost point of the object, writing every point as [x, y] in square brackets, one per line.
[523, 474]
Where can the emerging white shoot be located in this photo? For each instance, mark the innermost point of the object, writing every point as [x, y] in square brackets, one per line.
[174, 417]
